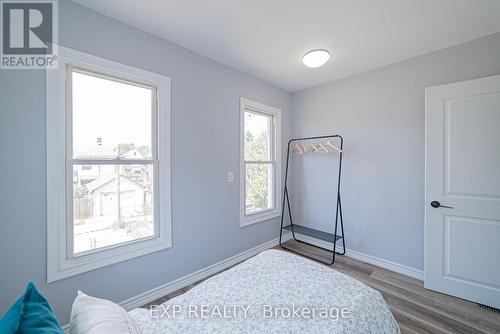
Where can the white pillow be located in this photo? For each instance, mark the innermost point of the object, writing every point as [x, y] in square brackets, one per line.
[90, 315]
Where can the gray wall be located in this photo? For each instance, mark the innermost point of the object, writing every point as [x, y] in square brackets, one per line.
[205, 114]
[381, 116]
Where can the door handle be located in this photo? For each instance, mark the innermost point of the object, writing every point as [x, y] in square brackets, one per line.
[436, 204]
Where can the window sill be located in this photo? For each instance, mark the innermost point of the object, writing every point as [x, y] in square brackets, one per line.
[92, 261]
[259, 217]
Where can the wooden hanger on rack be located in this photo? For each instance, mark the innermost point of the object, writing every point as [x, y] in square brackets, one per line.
[322, 147]
[297, 149]
[329, 143]
[314, 149]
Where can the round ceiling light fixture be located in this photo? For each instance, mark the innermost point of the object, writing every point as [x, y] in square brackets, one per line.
[316, 58]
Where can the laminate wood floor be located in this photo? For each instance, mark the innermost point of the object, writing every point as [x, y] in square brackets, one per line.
[416, 309]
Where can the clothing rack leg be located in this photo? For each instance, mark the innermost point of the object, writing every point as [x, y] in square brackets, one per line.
[285, 194]
[334, 251]
[341, 228]
[290, 213]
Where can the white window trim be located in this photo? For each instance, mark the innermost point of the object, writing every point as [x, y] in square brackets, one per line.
[59, 264]
[246, 220]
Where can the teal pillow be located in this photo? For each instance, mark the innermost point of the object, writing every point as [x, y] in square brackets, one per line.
[31, 314]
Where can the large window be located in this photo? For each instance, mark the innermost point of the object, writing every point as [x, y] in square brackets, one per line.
[108, 163]
[112, 131]
[260, 162]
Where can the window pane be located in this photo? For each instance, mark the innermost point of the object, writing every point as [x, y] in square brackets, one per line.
[101, 216]
[258, 188]
[257, 137]
[110, 118]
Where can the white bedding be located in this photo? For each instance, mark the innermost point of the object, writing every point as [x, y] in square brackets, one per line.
[270, 287]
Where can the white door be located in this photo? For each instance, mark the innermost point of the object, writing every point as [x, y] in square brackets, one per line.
[462, 171]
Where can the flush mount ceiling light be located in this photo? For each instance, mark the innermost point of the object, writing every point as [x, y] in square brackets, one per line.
[316, 58]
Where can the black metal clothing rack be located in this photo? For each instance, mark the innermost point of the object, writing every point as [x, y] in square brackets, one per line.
[317, 234]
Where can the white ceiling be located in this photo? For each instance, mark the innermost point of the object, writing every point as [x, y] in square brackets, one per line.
[267, 38]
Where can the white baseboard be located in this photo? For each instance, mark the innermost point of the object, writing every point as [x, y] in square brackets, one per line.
[386, 264]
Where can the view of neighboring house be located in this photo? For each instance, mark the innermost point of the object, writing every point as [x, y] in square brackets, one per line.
[110, 197]
[88, 173]
[105, 202]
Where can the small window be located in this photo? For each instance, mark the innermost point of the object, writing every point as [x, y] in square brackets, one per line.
[260, 171]
[115, 125]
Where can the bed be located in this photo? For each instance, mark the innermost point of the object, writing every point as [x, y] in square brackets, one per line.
[273, 292]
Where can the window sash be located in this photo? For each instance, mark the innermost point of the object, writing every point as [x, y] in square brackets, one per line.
[271, 190]
[272, 162]
[69, 111]
[70, 161]
[272, 139]
[70, 222]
